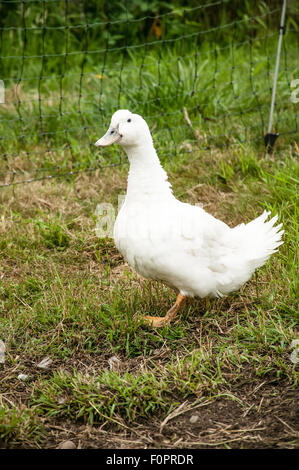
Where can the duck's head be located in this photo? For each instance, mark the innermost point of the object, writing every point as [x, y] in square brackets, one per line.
[126, 129]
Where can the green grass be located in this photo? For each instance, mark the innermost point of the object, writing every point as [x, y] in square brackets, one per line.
[49, 124]
[100, 398]
[20, 425]
[66, 294]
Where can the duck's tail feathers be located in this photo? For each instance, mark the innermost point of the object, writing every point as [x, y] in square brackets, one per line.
[262, 239]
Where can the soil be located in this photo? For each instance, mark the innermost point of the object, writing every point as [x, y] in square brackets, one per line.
[271, 421]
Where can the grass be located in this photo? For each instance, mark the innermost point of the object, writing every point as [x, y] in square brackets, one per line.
[62, 105]
[69, 295]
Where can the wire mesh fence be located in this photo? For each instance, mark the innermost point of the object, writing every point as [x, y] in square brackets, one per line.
[199, 74]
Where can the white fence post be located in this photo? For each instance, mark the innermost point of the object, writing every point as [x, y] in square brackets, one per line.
[270, 138]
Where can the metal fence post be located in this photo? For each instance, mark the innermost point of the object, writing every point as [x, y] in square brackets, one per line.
[270, 138]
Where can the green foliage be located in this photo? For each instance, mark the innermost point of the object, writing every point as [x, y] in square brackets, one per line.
[19, 425]
[100, 398]
[53, 234]
[61, 97]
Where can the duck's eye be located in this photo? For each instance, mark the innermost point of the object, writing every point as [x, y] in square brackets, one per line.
[112, 132]
[129, 120]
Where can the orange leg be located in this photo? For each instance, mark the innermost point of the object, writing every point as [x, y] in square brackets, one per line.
[162, 321]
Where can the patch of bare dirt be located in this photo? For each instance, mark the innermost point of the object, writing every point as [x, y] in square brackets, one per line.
[269, 420]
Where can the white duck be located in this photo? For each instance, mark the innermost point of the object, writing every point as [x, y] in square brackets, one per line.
[174, 242]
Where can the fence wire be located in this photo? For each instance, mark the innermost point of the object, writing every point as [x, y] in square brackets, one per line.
[201, 75]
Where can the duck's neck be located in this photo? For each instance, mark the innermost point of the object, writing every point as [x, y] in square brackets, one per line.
[147, 179]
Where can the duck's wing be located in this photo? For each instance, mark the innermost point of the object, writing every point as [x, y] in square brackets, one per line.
[202, 234]
[189, 251]
[228, 256]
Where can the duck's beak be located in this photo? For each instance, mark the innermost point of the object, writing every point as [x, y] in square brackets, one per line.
[111, 137]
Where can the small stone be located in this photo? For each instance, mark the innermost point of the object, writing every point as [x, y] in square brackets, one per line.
[23, 377]
[45, 363]
[67, 445]
[193, 419]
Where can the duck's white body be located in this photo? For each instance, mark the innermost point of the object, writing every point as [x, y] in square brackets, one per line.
[180, 244]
